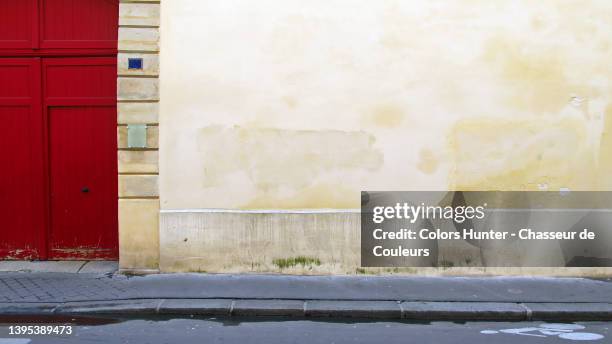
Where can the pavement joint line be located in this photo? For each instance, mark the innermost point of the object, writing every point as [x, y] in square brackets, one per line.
[159, 304]
[82, 266]
[528, 311]
[231, 308]
[402, 311]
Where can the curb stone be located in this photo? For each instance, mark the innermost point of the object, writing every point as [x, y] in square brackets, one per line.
[127, 307]
[463, 311]
[28, 308]
[561, 311]
[408, 310]
[210, 307]
[353, 309]
[289, 308]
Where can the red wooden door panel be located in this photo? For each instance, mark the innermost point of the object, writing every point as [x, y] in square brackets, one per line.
[18, 24]
[83, 187]
[79, 24]
[22, 201]
[80, 106]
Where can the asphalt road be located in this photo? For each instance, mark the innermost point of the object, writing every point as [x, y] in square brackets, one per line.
[274, 330]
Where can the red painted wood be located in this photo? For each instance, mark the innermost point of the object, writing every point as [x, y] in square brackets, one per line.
[80, 106]
[58, 53]
[82, 79]
[80, 24]
[58, 119]
[22, 199]
[18, 24]
[58, 27]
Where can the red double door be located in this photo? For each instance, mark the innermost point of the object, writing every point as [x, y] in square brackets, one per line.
[58, 139]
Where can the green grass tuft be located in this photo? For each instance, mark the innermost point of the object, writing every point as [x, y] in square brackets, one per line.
[284, 263]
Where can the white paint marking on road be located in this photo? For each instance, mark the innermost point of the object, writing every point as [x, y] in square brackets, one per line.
[581, 336]
[15, 340]
[563, 331]
[523, 331]
[568, 327]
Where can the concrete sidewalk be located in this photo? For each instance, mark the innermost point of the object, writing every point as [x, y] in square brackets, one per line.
[417, 298]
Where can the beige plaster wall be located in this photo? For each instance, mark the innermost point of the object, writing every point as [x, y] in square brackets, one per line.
[289, 104]
[293, 104]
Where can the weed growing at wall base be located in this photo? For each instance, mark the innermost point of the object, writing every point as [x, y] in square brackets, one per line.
[283, 263]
